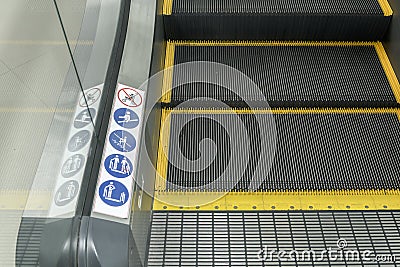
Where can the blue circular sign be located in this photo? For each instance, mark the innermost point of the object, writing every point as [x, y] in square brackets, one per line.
[113, 193]
[118, 166]
[126, 118]
[122, 141]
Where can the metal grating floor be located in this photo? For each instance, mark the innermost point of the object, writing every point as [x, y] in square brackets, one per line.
[236, 238]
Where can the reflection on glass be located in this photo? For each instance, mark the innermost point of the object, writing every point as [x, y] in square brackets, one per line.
[38, 96]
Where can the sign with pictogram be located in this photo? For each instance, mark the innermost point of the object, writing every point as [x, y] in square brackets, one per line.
[117, 172]
[130, 97]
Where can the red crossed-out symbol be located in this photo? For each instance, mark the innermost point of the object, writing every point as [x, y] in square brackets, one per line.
[130, 97]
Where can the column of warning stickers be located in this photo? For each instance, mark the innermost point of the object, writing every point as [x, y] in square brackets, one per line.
[75, 155]
[115, 181]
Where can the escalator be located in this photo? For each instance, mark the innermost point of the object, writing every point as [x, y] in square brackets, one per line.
[300, 160]
[229, 133]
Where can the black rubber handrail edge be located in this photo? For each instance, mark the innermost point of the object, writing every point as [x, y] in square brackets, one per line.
[87, 192]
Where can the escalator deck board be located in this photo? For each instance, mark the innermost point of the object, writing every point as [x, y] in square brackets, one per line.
[236, 238]
[316, 150]
[287, 74]
[291, 19]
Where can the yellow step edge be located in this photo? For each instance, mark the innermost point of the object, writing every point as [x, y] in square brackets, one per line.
[162, 160]
[287, 111]
[295, 200]
[282, 201]
[167, 7]
[268, 43]
[168, 73]
[387, 67]
[394, 111]
[170, 58]
[385, 6]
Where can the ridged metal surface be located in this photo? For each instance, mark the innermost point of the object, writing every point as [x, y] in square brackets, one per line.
[28, 242]
[313, 75]
[276, 20]
[278, 6]
[327, 151]
[235, 238]
[19, 239]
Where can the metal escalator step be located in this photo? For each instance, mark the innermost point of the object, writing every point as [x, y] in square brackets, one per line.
[239, 238]
[286, 74]
[316, 150]
[358, 20]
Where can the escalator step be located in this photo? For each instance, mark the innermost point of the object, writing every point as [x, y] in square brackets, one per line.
[286, 74]
[357, 20]
[337, 149]
[240, 238]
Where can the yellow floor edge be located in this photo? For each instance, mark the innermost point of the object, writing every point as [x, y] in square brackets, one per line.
[242, 201]
[17, 200]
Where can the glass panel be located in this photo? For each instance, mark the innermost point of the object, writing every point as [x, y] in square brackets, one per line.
[39, 92]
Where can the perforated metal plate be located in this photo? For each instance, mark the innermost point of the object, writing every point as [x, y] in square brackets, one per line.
[236, 238]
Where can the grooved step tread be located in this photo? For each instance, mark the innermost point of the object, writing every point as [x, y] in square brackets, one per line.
[328, 20]
[350, 154]
[379, 7]
[285, 74]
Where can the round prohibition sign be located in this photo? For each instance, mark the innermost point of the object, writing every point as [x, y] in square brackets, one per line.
[130, 97]
[91, 95]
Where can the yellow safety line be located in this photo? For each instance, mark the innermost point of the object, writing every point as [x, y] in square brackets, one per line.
[35, 110]
[385, 6]
[45, 42]
[276, 200]
[387, 67]
[168, 73]
[295, 200]
[17, 200]
[167, 7]
[268, 43]
[162, 160]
